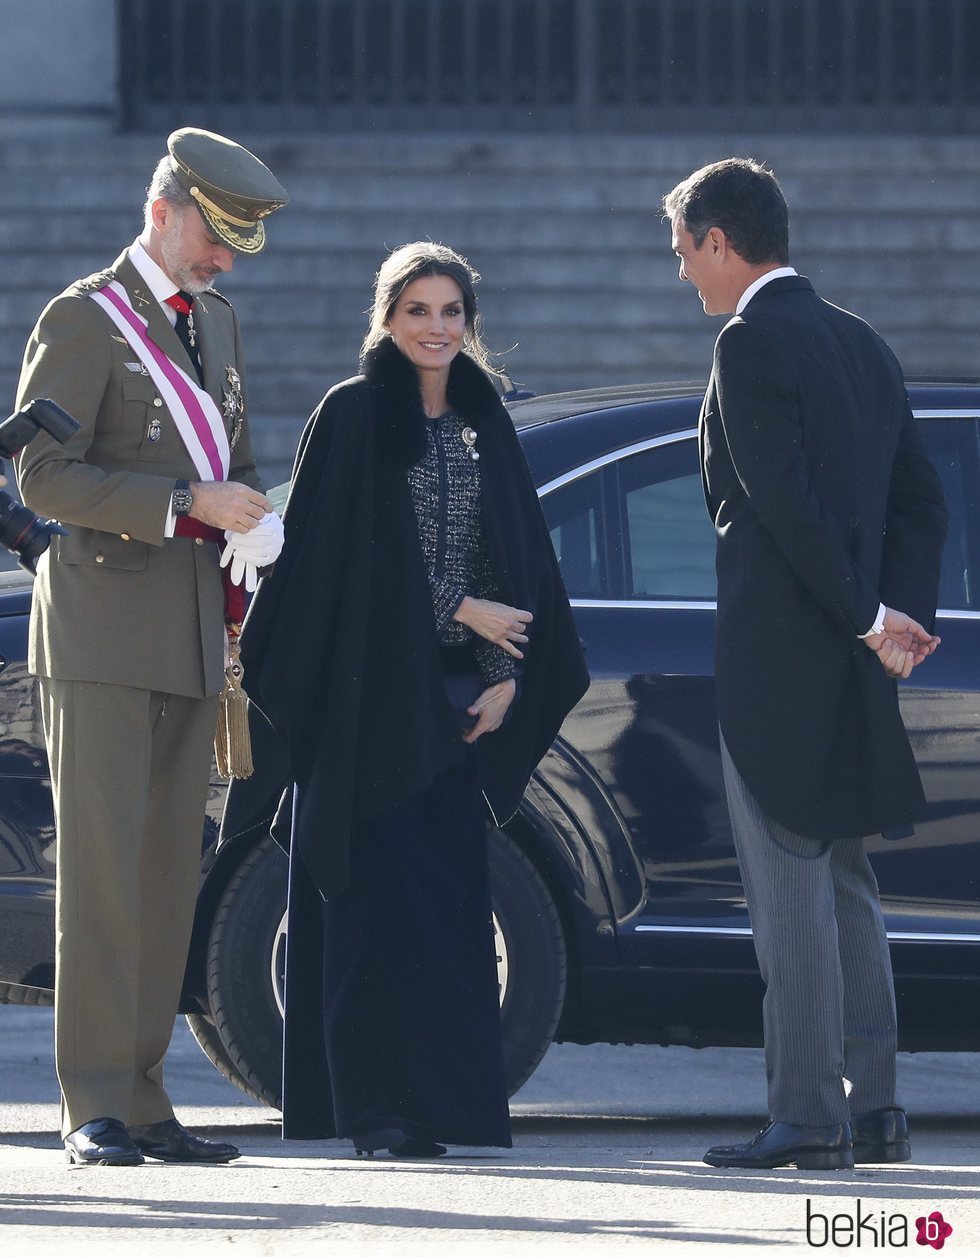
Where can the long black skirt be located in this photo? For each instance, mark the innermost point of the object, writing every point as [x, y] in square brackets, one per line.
[392, 1010]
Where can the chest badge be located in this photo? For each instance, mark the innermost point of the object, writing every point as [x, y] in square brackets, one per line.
[469, 440]
[233, 404]
[154, 430]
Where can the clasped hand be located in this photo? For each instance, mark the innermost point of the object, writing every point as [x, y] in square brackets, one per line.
[496, 622]
[490, 708]
[902, 645]
[248, 551]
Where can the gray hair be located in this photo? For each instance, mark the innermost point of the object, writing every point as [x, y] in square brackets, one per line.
[164, 183]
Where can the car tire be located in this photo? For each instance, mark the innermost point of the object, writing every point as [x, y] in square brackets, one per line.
[241, 993]
[244, 1035]
[532, 962]
[209, 1041]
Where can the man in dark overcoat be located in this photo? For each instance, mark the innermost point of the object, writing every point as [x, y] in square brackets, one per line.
[830, 523]
[156, 489]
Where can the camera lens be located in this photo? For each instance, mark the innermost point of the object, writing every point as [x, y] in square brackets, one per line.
[22, 533]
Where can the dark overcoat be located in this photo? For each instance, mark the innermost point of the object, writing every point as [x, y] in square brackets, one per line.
[340, 646]
[824, 504]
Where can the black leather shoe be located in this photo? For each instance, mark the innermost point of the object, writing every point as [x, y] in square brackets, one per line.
[781, 1143]
[418, 1147]
[103, 1141]
[169, 1141]
[881, 1136]
[368, 1142]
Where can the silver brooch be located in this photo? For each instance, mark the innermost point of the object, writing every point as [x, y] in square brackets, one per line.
[469, 439]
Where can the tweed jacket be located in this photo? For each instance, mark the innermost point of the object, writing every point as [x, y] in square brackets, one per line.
[115, 600]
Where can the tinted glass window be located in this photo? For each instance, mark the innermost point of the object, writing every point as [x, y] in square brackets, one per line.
[954, 447]
[575, 522]
[671, 543]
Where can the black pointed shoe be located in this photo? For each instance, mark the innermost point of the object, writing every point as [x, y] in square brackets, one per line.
[781, 1143]
[881, 1137]
[169, 1141]
[368, 1142]
[417, 1147]
[103, 1141]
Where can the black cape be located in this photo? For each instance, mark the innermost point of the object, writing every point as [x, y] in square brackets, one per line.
[340, 647]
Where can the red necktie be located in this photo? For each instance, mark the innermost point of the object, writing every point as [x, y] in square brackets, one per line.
[183, 303]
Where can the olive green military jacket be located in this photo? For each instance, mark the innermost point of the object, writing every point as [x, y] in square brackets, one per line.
[115, 600]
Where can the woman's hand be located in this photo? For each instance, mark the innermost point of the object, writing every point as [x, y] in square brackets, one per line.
[496, 622]
[491, 707]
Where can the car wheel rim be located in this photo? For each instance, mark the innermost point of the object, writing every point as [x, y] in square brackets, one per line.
[279, 966]
[503, 964]
[279, 963]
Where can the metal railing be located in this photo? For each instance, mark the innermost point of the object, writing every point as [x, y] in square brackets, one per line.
[587, 65]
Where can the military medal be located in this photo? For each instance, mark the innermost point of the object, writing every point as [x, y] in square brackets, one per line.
[154, 429]
[191, 329]
[233, 404]
[469, 439]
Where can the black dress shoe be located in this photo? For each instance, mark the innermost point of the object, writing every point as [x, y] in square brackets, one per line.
[103, 1141]
[781, 1143]
[417, 1146]
[169, 1141]
[367, 1143]
[881, 1136]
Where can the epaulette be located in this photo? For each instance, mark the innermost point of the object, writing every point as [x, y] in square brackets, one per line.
[92, 283]
[213, 292]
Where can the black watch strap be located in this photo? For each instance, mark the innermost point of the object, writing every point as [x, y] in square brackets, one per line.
[182, 499]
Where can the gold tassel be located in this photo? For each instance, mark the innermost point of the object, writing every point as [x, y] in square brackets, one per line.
[232, 744]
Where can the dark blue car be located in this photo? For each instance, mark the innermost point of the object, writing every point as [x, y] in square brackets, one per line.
[620, 915]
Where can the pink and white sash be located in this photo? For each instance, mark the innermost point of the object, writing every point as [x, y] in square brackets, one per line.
[195, 412]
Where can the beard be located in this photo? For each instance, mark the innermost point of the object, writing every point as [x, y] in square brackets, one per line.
[189, 276]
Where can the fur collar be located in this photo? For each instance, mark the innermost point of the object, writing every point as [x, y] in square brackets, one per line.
[396, 399]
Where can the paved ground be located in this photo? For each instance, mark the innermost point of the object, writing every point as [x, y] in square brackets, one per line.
[607, 1156]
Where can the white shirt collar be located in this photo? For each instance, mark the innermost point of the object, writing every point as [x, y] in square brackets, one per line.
[779, 273]
[158, 282]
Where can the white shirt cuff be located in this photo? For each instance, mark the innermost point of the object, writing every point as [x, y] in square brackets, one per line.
[171, 524]
[879, 624]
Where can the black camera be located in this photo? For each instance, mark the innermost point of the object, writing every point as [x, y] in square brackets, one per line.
[21, 532]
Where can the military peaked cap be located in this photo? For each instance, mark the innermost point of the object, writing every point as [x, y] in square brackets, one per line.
[233, 189]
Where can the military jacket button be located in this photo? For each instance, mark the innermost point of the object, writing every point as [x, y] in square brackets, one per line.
[158, 401]
[100, 558]
[124, 536]
[199, 541]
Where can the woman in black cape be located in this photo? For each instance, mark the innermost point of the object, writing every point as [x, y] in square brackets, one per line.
[415, 651]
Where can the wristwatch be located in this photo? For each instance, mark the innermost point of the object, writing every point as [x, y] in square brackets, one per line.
[182, 499]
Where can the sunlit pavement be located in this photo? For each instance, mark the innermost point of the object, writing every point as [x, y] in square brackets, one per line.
[608, 1145]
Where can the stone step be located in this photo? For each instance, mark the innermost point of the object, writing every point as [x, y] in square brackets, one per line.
[340, 276]
[95, 237]
[563, 153]
[513, 191]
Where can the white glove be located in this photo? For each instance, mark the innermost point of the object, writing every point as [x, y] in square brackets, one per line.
[248, 551]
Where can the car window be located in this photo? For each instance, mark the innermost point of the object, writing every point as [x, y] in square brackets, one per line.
[574, 518]
[670, 540]
[954, 447]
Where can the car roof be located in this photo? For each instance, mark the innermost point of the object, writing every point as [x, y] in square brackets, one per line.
[528, 412]
[543, 409]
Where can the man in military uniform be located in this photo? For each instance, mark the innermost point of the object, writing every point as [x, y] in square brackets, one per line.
[128, 624]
